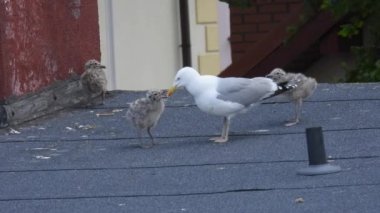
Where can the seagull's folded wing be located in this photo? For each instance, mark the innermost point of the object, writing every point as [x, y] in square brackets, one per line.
[245, 91]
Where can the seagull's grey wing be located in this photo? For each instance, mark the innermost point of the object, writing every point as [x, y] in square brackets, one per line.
[245, 91]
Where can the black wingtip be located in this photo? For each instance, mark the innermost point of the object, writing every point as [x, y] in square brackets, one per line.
[281, 88]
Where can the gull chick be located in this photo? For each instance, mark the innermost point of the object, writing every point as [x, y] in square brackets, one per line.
[94, 78]
[225, 96]
[144, 113]
[305, 88]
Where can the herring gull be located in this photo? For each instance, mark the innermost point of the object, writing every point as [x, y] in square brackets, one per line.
[225, 96]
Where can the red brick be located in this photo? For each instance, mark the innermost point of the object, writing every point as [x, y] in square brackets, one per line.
[280, 17]
[263, 1]
[330, 43]
[273, 8]
[242, 11]
[243, 28]
[236, 11]
[257, 18]
[236, 38]
[266, 27]
[295, 7]
[236, 19]
[254, 37]
[251, 10]
[288, 1]
[241, 47]
[237, 55]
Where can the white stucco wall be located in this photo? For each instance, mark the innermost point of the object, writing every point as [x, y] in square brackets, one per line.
[140, 42]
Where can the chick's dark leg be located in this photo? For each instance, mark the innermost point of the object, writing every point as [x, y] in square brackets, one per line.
[142, 145]
[151, 136]
[103, 96]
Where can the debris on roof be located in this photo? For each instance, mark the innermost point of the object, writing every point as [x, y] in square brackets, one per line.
[47, 168]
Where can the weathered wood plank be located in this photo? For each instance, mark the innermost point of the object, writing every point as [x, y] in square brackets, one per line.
[60, 95]
[271, 52]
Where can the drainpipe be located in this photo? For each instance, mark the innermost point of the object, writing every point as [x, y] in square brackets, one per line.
[185, 32]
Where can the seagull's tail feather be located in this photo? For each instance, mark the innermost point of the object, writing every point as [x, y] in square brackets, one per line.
[283, 87]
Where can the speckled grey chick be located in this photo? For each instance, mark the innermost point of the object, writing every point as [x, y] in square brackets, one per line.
[94, 78]
[144, 113]
[305, 88]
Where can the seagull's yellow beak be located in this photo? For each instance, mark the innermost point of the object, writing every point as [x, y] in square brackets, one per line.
[171, 91]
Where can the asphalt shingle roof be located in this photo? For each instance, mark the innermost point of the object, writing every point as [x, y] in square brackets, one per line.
[76, 161]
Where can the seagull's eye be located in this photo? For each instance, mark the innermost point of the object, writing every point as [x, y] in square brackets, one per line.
[178, 79]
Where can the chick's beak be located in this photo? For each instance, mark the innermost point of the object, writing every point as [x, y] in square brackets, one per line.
[171, 91]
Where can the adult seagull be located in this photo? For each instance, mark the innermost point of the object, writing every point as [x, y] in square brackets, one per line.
[225, 96]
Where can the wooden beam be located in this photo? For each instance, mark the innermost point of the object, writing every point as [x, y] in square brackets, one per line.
[261, 49]
[305, 37]
[272, 52]
[60, 95]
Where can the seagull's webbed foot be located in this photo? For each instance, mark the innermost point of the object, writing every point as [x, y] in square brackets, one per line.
[296, 120]
[146, 146]
[103, 97]
[292, 122]
[224, 137]
[219, 139]
[142, 144]
[153, 142]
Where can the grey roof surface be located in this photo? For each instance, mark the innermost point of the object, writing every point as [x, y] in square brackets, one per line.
[87, 159]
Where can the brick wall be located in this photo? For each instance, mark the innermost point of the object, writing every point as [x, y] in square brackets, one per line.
[250, 25]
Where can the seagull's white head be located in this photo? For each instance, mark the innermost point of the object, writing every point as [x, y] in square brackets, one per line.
[183, 77]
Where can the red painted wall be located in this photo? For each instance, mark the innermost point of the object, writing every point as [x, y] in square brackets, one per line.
[42, 40]
[250, 25]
